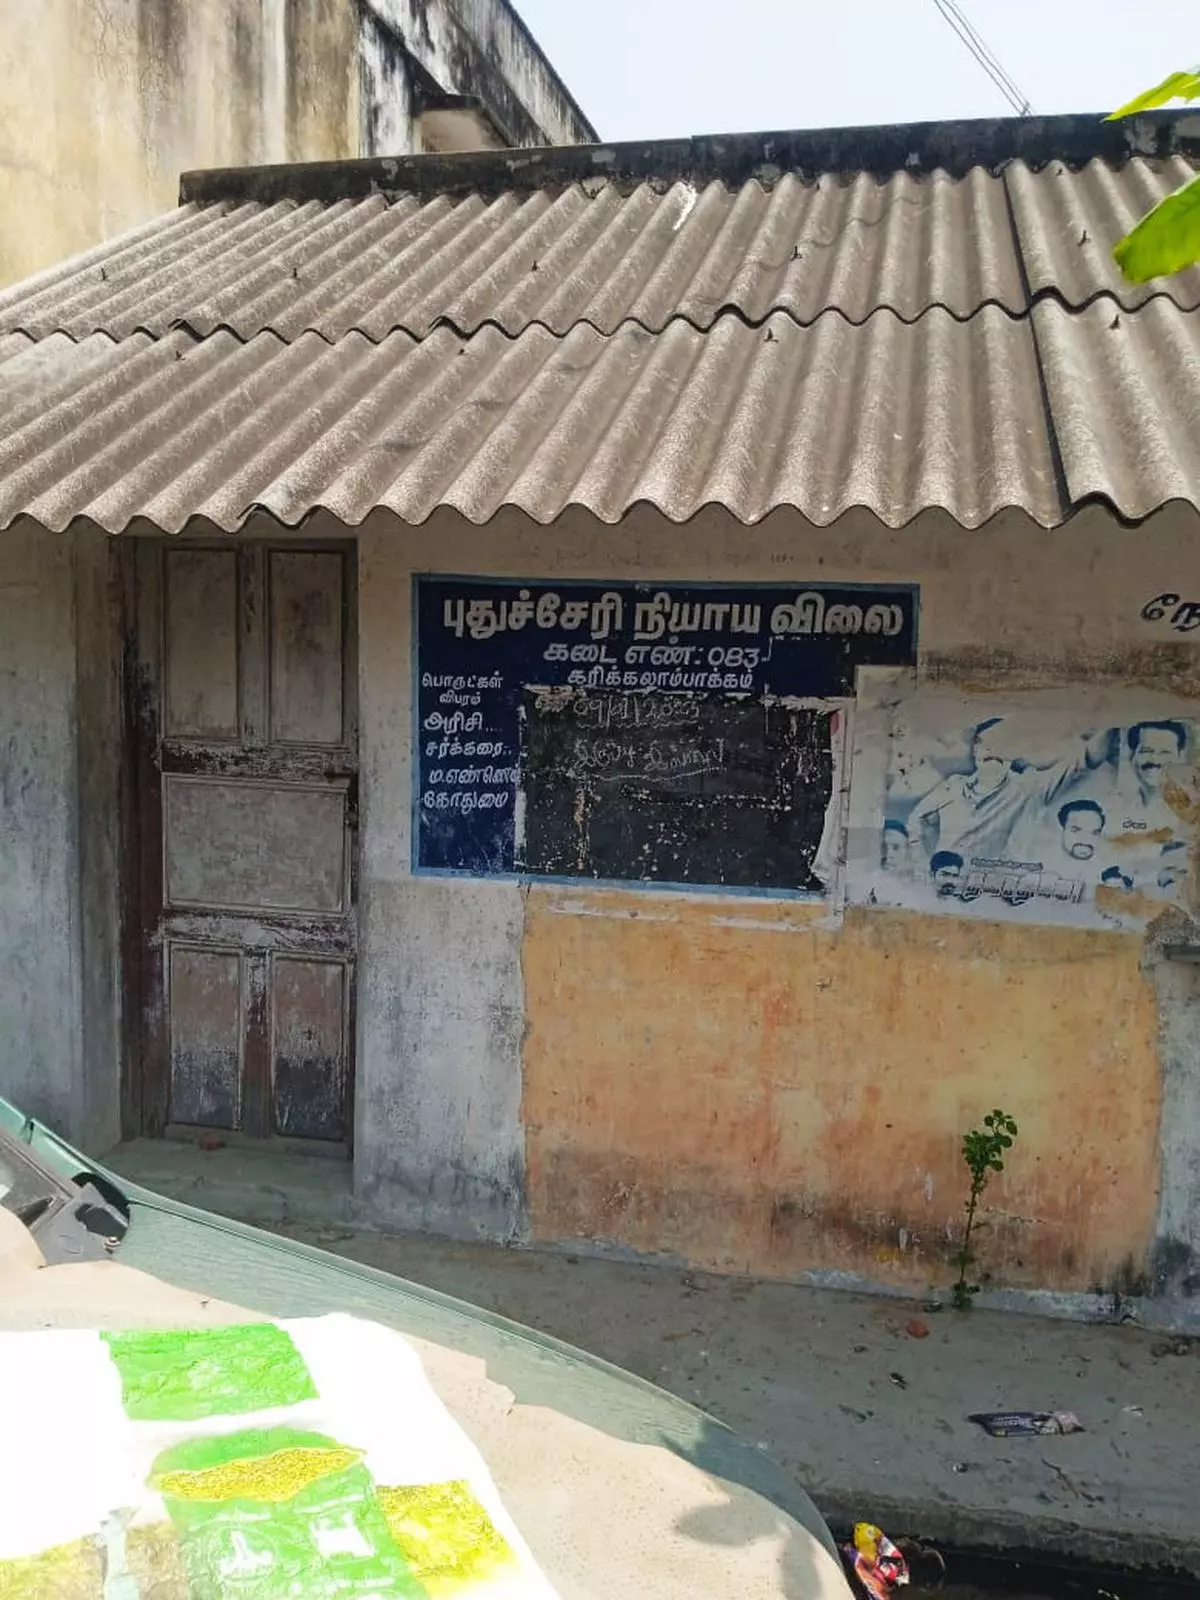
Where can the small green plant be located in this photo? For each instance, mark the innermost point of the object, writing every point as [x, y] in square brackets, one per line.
[983, 1151]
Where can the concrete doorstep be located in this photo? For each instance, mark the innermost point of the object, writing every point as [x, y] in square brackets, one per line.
[865, 1399]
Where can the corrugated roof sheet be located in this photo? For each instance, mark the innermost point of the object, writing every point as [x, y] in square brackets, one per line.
[1124, 395]
[930, 340]
[893, 416]
[604, 256]
[1068, 221]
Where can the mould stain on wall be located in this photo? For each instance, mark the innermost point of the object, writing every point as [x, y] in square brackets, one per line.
[322, 72]
[105, 105]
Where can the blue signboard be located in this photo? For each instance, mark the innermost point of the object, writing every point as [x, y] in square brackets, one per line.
[483, 644]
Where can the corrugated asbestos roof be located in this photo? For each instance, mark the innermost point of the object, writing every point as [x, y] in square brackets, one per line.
[607, 257]
[890, 415]
[929, 340]
[822, 417]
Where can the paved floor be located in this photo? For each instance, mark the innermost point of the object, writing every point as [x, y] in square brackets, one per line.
[849, 1391]
[873, 1419]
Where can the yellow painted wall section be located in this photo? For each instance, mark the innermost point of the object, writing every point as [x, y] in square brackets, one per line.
[322, 78]
[723, 1084]
[103, 103]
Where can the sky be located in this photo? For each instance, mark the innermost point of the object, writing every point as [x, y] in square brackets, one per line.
[651, 69]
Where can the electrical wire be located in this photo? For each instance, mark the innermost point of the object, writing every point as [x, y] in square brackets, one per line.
[964, 29]
[981, 54]
[962, 26]
[969, 35]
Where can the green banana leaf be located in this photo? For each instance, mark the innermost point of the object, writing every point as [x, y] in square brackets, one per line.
[1176, 86]
[1167, 239]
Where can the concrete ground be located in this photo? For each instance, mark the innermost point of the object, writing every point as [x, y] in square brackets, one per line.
[870, 1413]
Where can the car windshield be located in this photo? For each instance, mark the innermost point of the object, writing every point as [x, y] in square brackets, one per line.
[230, 1261]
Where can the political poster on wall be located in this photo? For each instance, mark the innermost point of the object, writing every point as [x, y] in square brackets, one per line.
[1029, 815]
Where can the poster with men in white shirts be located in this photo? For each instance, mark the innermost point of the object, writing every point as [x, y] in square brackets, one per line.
[1024, 816]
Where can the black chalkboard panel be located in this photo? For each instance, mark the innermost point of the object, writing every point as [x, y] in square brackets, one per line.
[685, 789]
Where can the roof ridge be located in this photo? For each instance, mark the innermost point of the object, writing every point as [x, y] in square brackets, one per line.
[919, 147]
[270, 185]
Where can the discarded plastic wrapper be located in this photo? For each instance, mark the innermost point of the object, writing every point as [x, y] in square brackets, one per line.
[875, 1561]
[1017, 1424]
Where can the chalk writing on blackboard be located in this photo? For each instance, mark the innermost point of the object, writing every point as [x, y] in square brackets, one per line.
[735, 794]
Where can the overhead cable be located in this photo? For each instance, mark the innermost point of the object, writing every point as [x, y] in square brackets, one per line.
[966, 31]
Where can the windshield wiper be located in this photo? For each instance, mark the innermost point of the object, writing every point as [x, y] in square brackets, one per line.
[70, 1220]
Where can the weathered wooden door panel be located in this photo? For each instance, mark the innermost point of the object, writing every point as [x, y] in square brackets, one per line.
[247, 832]
[309, 1047]
[307, 647]
[200, 644]
[205, 989]
[244, 844]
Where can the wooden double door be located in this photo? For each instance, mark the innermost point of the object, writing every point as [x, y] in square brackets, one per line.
[243, 717]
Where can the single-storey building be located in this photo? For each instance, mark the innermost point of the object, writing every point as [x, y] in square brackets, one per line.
[634, 692]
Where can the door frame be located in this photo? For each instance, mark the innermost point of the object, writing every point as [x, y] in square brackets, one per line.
[144, 1091]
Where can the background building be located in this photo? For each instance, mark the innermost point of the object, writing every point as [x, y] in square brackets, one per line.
[103, 103]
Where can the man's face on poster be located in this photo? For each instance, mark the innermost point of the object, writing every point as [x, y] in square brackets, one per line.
[1172, 866]
[1081, 830]
[895, 847]
[991, 757]
[1155, 751]
[946, 878]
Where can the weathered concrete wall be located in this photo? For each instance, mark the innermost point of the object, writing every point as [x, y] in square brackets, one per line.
[321, 71]
[438, 1138]
[100, 575]
[752, 1084]
[389, 106]
[471, 47]
[1175, 1259]
[103, 105]
[40, 995]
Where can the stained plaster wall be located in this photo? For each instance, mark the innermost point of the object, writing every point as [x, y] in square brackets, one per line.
[478, 48]
[104, 104]
[758, 1086]
[1175, 1257]
[750, 1085]
[40, 914]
